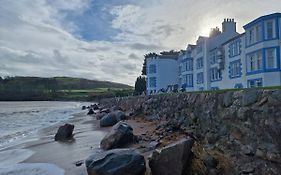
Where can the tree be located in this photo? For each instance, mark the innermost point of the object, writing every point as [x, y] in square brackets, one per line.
[140, 85]
[149, 55]
[143, 72]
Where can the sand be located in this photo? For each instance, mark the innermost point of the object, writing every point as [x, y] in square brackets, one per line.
[45, 156]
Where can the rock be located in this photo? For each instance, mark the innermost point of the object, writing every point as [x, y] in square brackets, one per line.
[171, 159]
[84, 107]
[248, 150]
[100, 115]
[212, 138]
[120, 135]
[105, 110]
[244, 113]
[116, 108]
[64, 132]
[108, 120]
[112, 118]
[247, 169]
[210, 161]
[116, 162]
[120, 115]
[273, 157]
[260, 154]
[152, 118]
[249, 97]
[227, 99]
[95, 107]
[79, 163]
[91, 112]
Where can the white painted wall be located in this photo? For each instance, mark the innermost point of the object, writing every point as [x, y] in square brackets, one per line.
[166, 73]
[168, 69]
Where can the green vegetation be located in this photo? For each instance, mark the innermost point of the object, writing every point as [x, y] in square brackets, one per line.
[140, 85]
[59, 88]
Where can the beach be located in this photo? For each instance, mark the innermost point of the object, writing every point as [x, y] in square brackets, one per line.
[41, 154]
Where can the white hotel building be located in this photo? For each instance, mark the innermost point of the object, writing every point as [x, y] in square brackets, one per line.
[224, 60]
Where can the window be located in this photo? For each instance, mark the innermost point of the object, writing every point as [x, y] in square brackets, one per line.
[254, 61]
[152, 68]
[254, 34]
[235, 69]
[199, 63]
[189, 64]
[152, 82]
[213, 57]
[188, 80]
[234, 48]
[255, 83]
[199, 48]
[215, 74]
[251, 36]
[270, 58]
[258, 33]
[200, 78]
[259, 61]
[183, 66]
[270, 29]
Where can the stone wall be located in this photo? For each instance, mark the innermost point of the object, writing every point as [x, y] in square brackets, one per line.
[245, 126]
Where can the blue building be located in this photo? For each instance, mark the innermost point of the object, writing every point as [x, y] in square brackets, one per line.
[227, 59]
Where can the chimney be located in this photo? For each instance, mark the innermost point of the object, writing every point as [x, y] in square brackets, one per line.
[229, 25]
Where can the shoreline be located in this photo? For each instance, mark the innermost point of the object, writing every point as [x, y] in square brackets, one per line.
[87, 136]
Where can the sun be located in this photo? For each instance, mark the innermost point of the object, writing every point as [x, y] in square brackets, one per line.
[206, 26]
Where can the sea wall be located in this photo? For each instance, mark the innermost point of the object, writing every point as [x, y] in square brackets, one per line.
[245, 125]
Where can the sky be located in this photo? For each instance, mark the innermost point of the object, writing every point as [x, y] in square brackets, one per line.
[106, 39]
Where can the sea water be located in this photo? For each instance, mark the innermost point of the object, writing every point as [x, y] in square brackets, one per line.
[21, 119]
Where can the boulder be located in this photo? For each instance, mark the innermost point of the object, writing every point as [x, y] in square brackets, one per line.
[84, 107]
[64, 132]
[120, 115]
[91, 112]
[120, 135]
[108, 120]
[95, 107]
[112, 118]
[171, 159]
[116, 162]
[249, 97]
[227, 99]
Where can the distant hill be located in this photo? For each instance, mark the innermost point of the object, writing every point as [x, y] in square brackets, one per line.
[37, 88]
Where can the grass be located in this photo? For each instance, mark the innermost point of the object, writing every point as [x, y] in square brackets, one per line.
[220, 90]
[92, 94]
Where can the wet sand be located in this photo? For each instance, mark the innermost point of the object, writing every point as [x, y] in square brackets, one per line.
[87, 137]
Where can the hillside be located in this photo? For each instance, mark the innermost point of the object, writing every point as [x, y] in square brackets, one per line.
[58, 88]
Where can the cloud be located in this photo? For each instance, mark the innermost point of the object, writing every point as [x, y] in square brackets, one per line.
[139, 46]
[106, 40]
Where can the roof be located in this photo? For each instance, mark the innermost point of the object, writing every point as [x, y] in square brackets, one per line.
[234, 38]
[191, 46]
[266, 17]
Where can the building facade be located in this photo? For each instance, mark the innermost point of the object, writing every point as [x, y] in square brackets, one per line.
[224, 60]
[162, 72]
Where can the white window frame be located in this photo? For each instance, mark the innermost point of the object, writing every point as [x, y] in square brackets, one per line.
[271, 58]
